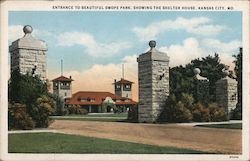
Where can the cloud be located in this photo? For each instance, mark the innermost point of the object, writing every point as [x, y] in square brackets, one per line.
[197, 25]
[217, 45]
[191, 48]
[100, 77]
[181, 54]
[16, 32]
[224, 49]
[93, 48]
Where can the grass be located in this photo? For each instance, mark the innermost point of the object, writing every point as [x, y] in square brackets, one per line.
[123, 114]
[112, 117]
[63, 143]
[225, 126]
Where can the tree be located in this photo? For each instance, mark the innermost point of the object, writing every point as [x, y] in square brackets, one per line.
[31, 92]
[25, 88]
[237, 113]
[181, 78]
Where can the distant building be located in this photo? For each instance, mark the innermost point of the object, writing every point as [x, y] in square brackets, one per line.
[28, 54]
[123, 88]
[97, 102]
[62, 87]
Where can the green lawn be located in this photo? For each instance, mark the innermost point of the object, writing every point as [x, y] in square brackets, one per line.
[226, 126]
[112, 117]
[123, 114]
[62, 143]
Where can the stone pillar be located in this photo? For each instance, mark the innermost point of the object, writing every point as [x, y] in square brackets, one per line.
[226, 93]
[29, 54]
[201, 87]
[153, 75]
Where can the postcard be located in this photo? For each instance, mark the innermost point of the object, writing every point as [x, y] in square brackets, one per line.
[124, 80]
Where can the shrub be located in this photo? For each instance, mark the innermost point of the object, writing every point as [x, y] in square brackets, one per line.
[32, 92]
[65, 111]
[182, 113]
[82, 111]
[200, 113]
[133, 114]
[59, 105]
[187, 100]
[217, 113]
[76, 110]
[175, 111]
[40, 111]
[168, 113]
[18, 118]
[236, 114]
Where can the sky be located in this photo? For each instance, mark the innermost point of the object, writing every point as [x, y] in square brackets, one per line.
[94, 45]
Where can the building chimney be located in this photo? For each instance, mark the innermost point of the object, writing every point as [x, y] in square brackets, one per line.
[115, 81]
[70, 77]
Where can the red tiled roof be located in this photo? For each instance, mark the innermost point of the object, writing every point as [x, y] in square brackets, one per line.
[123, 81]
[62, 78]
[98, 98]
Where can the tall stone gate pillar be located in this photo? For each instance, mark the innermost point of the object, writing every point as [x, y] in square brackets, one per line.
[226, 93]
[29, 54]
[153, 74]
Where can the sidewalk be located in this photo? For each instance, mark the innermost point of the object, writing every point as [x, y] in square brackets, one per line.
[33, 131]
[209, 123]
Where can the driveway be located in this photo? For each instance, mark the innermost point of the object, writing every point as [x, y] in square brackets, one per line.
[225, 141]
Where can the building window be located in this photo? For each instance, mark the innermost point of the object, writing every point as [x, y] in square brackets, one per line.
[127, 86]
[83, 100]
[65, 94]
[118, 86]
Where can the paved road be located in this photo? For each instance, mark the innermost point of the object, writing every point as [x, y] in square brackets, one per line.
[182, 136]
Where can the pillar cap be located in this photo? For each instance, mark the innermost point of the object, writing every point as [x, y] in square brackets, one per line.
[27, 29]
[152, 43]
[197, 71]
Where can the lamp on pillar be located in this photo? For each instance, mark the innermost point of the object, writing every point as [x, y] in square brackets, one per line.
[201, 87]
